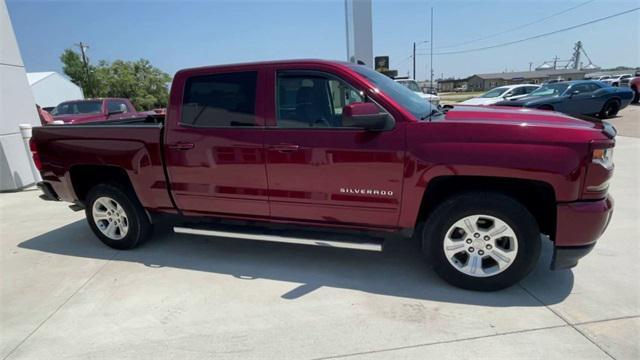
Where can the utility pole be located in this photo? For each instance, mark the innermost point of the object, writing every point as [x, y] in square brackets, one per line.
[85, 61]
[530, 65]
[414, 60]
[577, 49]
[555, 62]
[431, 52]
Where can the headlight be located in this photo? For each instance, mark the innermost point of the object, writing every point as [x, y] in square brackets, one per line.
[603, 157]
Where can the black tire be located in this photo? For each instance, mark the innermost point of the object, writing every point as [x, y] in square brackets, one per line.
[545, 107]
[636, 95]
[610, 109]
[503, 207]
[138, 225]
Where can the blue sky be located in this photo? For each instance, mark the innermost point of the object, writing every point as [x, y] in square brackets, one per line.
[178, 34]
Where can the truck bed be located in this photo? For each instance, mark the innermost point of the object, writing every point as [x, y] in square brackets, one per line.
[131, 145]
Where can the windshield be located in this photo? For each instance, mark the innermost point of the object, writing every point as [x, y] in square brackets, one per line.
[412, 85]
[417, 106]
[494, 93]
[79, 107]
[550, 90]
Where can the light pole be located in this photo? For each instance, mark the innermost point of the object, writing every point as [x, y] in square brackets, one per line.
[414, 56]
[431, 52]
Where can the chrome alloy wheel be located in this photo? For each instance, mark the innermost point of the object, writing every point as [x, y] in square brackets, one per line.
[110, 218]
[480, 245]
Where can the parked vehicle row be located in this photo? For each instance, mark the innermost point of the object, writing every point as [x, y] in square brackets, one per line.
[616, 80]
[332, 144]
[578, 98]
[509, 92]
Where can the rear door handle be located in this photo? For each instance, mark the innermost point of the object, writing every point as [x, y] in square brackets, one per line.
[182, 146]
[285, 148]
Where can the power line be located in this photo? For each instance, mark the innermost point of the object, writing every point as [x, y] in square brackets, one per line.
[518, 27]
[536, 36]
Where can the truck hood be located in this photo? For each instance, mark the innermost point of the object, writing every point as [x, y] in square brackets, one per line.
[74, 118]
[517, 116]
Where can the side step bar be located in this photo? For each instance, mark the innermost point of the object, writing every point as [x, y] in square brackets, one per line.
[368, 246]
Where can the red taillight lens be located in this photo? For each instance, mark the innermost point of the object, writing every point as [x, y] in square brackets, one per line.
[34, 154]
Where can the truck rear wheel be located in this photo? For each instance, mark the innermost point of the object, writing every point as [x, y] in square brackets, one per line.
[482, 241]
[116, 217]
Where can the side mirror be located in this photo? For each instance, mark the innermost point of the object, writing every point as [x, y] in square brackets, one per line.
[573, 93]
[113, 112]
[367, 116]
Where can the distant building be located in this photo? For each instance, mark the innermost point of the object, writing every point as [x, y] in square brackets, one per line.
[50, 88]
[483, 82]
[449, 85]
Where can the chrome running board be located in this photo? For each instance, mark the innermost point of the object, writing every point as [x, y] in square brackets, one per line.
[368, 246]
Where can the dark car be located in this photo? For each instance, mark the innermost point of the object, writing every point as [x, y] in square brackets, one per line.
[578, 97]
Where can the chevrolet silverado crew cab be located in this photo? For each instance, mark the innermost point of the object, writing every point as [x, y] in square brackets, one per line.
[313, 143]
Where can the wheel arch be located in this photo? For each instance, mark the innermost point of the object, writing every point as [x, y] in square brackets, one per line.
[85, 177]
[537, 196]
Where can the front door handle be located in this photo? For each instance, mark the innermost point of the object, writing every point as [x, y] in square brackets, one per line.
[285, 148]
[182, 146]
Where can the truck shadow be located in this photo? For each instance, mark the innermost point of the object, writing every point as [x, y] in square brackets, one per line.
[399, 271]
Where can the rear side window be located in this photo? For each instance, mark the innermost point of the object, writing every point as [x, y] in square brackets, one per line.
[221, 100]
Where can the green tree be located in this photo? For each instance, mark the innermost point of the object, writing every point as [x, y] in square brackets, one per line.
[139, 81]
[73, 66]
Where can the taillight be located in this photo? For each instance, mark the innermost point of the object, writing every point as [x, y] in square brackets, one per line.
[34, 154]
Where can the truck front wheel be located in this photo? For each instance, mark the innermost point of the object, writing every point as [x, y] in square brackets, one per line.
[116, 217]
[482, 241]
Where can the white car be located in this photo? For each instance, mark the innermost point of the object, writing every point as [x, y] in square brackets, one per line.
[508, 92]
[413, 86]
[617, 80]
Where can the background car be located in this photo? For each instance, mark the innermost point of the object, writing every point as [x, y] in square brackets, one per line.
[89, 110]
[578, 97]
[617, 80]
[413, 86]
[634, 84]
[509, 92]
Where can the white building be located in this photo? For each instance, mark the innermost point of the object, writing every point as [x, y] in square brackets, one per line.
[50, 88]
[16, 107]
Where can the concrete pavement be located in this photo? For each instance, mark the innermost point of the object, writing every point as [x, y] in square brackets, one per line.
[65, 295]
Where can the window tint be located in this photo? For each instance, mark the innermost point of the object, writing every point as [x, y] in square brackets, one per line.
[117, 105]
[306, 101]
[220, 100]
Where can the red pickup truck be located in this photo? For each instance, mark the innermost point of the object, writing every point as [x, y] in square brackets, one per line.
[82, 111]
[314, 143]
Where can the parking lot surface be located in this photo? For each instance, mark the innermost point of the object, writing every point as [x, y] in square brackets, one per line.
[65, 295]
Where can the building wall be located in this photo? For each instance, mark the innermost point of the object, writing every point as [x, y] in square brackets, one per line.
[55, 89]
[16, 107]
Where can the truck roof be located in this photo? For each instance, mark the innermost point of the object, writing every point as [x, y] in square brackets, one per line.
[271, 62]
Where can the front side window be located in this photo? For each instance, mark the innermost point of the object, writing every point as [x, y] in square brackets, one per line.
[220, 100]
[115, 106]
[313, 101]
